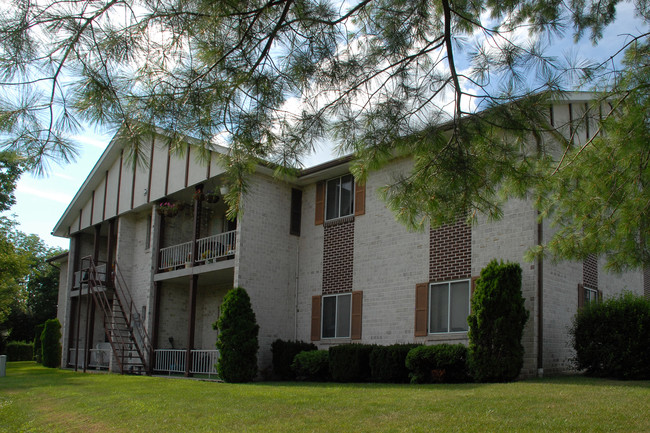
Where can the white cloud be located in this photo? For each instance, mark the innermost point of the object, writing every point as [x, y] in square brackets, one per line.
[44, 194]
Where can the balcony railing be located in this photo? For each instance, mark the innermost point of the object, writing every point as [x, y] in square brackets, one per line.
[100, 357]
[173, 361]
[209, 249]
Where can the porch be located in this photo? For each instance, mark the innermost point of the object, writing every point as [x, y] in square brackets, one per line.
[209, 249]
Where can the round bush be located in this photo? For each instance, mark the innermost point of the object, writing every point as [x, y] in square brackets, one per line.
[311, 365]
[441, 363]
[284, 353]
[237, 341]
[496, 324]
[612, 338]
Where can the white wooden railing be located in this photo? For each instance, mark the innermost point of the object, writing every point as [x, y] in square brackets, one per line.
[99, 358]
[216, 246]
[209, 249]
[175, 256]
[173, 361]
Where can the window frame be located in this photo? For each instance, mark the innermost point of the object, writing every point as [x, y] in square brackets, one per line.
[338, 189]
[430, 306]
[336, 316]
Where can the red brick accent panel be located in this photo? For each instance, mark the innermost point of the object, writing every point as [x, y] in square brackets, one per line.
[450, 252]
[338, 255]
[646, 282]
[590, 272]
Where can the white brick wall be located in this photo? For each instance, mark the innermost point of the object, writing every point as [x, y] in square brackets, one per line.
[266, 258]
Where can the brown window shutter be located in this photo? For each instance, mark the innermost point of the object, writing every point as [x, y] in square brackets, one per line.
[320, 202]
[315, 318]
[357, 309]
[359, 199]
[421, 309]
[581, 296]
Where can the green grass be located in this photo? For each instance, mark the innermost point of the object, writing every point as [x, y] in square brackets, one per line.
[36, 399]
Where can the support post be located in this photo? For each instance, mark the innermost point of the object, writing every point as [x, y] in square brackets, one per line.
[190, 325]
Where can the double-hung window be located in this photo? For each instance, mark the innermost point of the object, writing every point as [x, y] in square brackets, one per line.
[339, 197]
[337, 312]
[449, 306]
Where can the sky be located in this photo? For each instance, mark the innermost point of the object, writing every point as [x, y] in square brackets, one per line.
[41, 201]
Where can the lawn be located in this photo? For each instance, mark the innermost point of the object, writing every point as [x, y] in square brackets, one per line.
[36, 399]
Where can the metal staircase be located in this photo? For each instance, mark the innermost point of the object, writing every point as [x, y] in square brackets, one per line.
[123, 324]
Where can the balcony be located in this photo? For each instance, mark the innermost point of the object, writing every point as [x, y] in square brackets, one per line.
[209, 250]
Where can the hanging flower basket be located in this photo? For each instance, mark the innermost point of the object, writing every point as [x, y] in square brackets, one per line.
[168, 209]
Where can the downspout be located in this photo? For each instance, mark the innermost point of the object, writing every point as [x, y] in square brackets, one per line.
[540, 301]
[295, 298]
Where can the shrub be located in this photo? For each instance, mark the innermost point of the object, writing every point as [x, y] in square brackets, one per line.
[496, 324]
[311, 365]
[350, 362]
[612, 338]
[20, 351]
[284, 353]
[51, 343]
[237, 340]
[441, 363]
[388, 363]
[38, 348]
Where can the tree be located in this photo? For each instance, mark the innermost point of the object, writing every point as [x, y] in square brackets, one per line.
[496, 324]
[51, 344]
[273, 78]
[598, 195]
[28, 284]
[10, 170]
[237, 341]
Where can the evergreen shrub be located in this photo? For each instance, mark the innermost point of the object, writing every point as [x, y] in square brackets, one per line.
[20, 351]
[350, 362]
[311, 365]
[496, 324]
[284, 353]
[237, 340]
[38, 348]
[51, 343]
[612, 338]
[441, 363]
[388, 363]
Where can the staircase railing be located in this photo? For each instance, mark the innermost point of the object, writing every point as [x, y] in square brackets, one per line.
[133, 317]
[126, 332]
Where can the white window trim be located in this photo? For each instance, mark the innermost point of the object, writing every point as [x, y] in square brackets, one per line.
[469, 305]
[327, 183]
[336, 316]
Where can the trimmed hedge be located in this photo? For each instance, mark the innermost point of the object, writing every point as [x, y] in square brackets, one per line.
[237, 341]
[311, 365]
[350, 362]
[284, 353]
[20, 351]
[496, 324]
[51, 343]
[38, 348]
[388, 363]
[441, 363]
[612, 338]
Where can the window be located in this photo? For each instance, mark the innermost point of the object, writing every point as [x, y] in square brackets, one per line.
[449, 306]
[337, 313]
[591, 295]
[339, 200]
[296, 212]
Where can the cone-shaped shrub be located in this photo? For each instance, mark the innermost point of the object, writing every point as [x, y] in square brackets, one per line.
[237, 341]
[496, 324]
[51, 343]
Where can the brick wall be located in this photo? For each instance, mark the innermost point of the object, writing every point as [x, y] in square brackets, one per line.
[338, 255]
[590, 272]
[450, 252]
